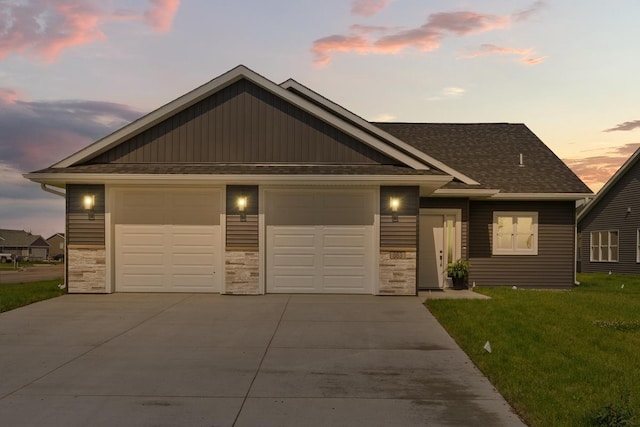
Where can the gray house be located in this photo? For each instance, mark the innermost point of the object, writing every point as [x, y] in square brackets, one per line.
[609, 225]
[244, 186]
[23, 244]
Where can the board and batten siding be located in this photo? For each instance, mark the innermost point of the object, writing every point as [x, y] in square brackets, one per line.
[453, 203]
[400, 235]
[611, 213]
[85, 227]
[242, 123]
[553, 267]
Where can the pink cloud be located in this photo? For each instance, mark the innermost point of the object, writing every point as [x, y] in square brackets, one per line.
[595, 171]
[626, 126]
[526, 55]
[8, 96]
[368, 7]
[427, 37]
[45, 28]
[160, 14]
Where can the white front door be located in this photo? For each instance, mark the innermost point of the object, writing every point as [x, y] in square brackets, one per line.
[439, 245]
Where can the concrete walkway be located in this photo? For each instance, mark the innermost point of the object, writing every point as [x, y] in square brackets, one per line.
[211, 360]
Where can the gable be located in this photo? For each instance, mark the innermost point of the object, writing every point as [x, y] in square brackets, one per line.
[242, 123]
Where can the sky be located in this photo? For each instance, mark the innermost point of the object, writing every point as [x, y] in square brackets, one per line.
[73, 71]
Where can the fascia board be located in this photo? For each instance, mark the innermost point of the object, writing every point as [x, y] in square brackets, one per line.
[217, 84]
[385, 135]
[81, 178]
[541, 196]
[463, 192]
[610, 184]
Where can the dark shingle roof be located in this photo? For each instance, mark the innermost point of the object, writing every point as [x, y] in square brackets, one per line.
[20, 239]
[241, 169]
[490, 154]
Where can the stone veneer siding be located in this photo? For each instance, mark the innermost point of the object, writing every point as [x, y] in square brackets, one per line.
[397, 273]
[241, 273]
[86, 270]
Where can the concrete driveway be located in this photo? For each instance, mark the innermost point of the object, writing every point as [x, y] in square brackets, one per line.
[212, 360]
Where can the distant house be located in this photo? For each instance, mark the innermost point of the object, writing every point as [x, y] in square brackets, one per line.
[24, 244]
[609, 225]
[56, 244]
[245, 186]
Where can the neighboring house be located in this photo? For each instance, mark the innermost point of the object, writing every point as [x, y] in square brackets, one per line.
[609, 225]
[56, 245]
[244, 186]
[23, 244]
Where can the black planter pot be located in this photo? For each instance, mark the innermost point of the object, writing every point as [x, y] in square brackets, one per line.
[458, 282]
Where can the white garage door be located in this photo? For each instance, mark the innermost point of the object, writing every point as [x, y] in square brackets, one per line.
[167, 241]
[320, 242]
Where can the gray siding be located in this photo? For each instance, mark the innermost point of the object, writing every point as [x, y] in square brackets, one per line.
[242, 230]
[85, 228]
[243, 123]
[611, 214]
[403, 233]
[463, 205]
[553, 267]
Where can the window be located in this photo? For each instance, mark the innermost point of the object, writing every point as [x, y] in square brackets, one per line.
[515, 233]
[604, 246]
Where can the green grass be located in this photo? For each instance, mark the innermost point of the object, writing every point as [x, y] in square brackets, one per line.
[558, 357]
[18, 295]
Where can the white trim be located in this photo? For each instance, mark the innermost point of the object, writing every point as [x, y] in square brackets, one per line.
[465, 192]
[182, 179]
[291, 83]
[262, 237]
[514, 251]
[540, 196]
[109, 205]
[608, 246]
[219, 83]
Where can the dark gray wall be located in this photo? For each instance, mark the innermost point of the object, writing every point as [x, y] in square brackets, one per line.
[553, 267]
[242, 230]
[403, 233]
[83, 227]
[242, 123]
[611, 214]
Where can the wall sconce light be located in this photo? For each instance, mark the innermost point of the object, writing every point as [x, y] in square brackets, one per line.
[394, 204]
[242, 206]
[89, 202]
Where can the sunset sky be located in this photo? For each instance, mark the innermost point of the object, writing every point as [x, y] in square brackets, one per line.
[73, 71]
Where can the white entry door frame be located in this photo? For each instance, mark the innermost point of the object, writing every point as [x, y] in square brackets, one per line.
[440, 242]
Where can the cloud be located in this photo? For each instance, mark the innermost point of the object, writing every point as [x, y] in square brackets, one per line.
[383, 117]
[527, 56]
[368, 7]
[525, 14]
[36, 134]
[45, 28]
[160, 14]
[427, 37]
[622, 126]
[448, 93]
[595, 171]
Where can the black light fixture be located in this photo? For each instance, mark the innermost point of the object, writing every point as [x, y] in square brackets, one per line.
[241, 203]
[394, 204]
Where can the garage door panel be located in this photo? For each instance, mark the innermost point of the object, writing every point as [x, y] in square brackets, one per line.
[336, 245]
[168, 241]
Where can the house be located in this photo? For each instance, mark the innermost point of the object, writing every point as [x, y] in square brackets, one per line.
[609, 224]
[23, 244]
[56, 245]
[244, 186]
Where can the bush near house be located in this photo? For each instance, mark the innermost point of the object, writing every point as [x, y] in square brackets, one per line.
[561, 358]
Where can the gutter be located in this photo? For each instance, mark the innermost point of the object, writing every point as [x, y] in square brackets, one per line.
[52, 191]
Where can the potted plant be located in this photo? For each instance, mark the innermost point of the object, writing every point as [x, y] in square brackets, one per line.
[458, 271]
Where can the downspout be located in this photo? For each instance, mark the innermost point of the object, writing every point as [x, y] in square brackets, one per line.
[61, 194]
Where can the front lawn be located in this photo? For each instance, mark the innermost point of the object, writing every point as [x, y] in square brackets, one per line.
[17, 295]
[559, 357]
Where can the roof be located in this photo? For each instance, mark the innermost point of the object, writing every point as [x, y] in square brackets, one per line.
[610, 184]
[20, 239]
[490, 153]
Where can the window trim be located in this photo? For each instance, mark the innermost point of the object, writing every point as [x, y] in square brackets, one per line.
[514, 250]
[608, 246]
[637, 244]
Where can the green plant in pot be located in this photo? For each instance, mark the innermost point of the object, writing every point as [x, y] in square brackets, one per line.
[458, 271]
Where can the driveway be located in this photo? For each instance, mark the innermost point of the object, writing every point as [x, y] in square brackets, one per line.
[212, 360]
